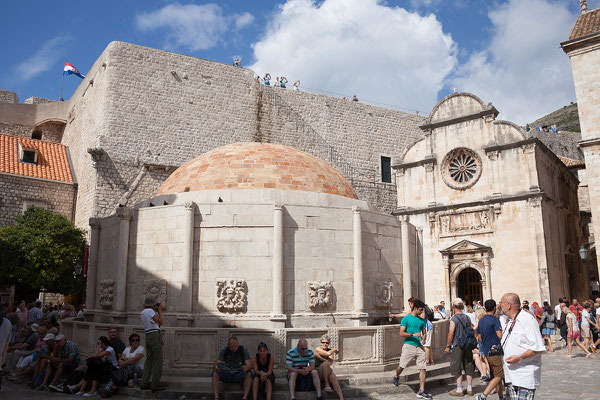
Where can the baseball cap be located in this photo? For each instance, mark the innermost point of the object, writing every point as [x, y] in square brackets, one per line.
[49, 336]
[60, 336]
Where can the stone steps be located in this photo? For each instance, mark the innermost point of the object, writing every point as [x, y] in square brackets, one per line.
[358, 386]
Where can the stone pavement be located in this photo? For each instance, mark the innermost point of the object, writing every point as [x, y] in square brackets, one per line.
[561, 380]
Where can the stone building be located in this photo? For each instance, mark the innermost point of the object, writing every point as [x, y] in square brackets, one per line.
[492, 207]
[34, 173]
[583, 48]
[141, 113]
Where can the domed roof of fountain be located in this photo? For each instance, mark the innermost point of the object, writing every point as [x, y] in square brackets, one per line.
[252, 165]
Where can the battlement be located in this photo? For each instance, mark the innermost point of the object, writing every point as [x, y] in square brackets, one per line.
[6, 96]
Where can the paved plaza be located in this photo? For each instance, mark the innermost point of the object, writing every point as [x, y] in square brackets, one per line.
[562, 379]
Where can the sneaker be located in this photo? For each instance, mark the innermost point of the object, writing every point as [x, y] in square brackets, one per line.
[422, 395]
[453, 392]
[482, 397]
[79, 393]
[90, 394]
[70, 389]
[470, 392]
[396, 381]
[55, 388]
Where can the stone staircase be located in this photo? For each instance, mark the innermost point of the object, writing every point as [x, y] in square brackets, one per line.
[356, 386]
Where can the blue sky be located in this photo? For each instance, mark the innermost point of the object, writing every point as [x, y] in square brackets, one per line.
[405, 54]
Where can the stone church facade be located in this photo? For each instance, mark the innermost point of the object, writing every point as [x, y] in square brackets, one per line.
[492, 206]
[140, 113]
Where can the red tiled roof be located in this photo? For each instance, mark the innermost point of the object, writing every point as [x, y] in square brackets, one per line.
[570, 163]
[257, 166]
[52, 160]
[586, 24]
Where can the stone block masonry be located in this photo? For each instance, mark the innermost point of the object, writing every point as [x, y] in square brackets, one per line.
[18, 192]
[7, 96]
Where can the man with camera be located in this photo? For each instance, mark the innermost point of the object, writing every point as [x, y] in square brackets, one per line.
[523, 347]
[152, 320]
[489, 333]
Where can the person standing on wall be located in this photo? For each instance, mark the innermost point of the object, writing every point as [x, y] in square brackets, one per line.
[152, 321]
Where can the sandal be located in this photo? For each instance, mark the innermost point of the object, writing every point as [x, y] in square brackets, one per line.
[328, 389]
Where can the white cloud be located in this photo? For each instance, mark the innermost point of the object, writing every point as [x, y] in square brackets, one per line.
[40, 61]
[381, 53]
[523, 71]
[192, 26]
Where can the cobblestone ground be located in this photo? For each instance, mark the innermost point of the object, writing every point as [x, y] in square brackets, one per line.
[562, 379]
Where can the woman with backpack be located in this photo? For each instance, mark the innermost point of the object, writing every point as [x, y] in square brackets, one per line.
[547, 325]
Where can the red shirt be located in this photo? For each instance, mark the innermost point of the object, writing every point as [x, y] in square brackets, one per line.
[539, 312]
[576, 309]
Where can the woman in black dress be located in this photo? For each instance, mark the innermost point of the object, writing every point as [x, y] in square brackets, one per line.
[262, 362]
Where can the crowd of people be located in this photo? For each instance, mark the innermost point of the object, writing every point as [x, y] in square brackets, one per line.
[503, 340]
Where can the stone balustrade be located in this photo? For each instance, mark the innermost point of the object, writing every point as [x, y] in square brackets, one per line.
[192, 351]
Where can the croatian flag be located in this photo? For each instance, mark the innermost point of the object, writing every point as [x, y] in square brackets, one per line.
[69, 69]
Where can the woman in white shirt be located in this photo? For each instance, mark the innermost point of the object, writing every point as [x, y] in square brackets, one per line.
[573, 333]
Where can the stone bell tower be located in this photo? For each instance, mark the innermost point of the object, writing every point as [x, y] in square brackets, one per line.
[583, 48]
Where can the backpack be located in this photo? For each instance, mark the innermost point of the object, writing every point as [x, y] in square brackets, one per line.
[467, 341]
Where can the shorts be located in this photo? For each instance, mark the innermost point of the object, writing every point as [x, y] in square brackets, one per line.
[428, 338]
[496, 366]
[520, 393]
[547, 331]
[461, 359]
[585, 331]
[573, 335]
[229, 376]
[410, 352]
[69, 366]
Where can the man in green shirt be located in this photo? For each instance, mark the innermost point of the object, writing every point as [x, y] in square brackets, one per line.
[414, 331]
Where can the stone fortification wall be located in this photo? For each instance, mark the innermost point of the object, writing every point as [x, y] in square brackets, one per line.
[7, 96]
[16, 129]
[38, 100]
[18, 191]
[350, 135]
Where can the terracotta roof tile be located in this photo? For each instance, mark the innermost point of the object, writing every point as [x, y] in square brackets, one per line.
[52, 160]
[570, 163]
[586, 24]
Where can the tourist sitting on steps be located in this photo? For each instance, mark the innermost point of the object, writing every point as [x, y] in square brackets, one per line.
[264, 378]
[323, 361]
[301, 372]
[65, 359]
[232, 366]
[131, 366]
[99, 367]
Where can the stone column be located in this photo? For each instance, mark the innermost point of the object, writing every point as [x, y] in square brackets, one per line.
[187, 280]
[277, 273]
[406, 267]
[359, 300]
[124, 214]
[488, 278]
[446, 265]
[90, 298]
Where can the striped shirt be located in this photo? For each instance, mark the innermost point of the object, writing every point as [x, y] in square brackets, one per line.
[297, 361]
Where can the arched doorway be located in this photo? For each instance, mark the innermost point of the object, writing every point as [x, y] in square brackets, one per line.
[469, 286]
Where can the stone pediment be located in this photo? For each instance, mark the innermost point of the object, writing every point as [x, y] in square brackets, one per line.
[466, 246]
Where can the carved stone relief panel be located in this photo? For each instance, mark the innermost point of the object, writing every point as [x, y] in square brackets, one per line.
[465, 222]
[320, 295]
[232, 295]
[383, 294]
[156, 288]
[105, 297]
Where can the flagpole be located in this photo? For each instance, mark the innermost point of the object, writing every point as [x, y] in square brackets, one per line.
[60, 98]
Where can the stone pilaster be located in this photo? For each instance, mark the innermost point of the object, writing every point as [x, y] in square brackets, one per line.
[359, 301]
[188, 258]
[92, 263]
[277, 313]
[406, 267]
[124, 214]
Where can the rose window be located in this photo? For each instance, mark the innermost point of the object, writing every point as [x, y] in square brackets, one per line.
[461, 168]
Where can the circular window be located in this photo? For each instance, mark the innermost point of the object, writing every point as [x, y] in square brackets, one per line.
[461, 168]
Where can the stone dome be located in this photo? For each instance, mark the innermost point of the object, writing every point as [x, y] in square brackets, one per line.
[255, 165]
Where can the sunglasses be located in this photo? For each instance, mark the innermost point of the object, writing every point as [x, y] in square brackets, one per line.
[325, 342]
[135, 340]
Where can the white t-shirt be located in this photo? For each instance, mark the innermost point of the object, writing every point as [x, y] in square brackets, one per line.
[147, 321]
[573, 319]
[557, 311]
[111, 357]
[472, 317]
[524, 336]
[584, 320]
[127, 354]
